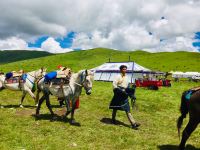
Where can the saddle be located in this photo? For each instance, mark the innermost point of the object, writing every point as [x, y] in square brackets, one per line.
[58, 77]
[60, 81]
[17, 73]
[191, 91]
[14, 77]
[14, 74]
[64, 73]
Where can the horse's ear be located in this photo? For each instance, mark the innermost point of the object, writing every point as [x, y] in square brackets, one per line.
[86, 72]
[43, 68]
[91, 73]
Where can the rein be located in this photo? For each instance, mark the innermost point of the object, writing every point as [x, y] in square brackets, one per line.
[82, 80]
[78, 84]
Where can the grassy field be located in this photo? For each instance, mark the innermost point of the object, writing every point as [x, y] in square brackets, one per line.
[157, 111]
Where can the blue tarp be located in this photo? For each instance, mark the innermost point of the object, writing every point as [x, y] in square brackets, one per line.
[50, 75]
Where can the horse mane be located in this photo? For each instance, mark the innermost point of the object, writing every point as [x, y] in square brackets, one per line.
[75, 75]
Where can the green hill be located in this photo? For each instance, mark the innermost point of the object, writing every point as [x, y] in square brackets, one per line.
[163, 61]
[17, 55]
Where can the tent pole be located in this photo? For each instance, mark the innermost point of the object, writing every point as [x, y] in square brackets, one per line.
[132, 72]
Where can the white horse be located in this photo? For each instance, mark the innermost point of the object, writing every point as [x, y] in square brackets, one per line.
[26, 86]
[69, 92]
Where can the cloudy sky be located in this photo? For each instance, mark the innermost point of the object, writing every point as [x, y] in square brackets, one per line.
[60, 26]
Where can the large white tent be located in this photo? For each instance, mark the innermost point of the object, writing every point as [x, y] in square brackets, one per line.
[108, 71]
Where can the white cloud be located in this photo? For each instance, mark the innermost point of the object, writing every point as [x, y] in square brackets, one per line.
[13, 43]
[177, 44]
[52, 46]
[114, 24]
[127, 38]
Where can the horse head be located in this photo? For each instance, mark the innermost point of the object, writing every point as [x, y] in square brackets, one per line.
[40, 73]
[86, 81]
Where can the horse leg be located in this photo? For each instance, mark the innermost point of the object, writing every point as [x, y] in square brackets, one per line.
[22, 99]
[72, 120]
[67, 102]
[32, 95]
[39, 105]
[72, 112]
[48, 104]
[37, 96]
[191, 126]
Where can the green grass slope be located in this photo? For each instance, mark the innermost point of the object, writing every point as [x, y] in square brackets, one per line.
[165, 61]
[157, 111]
[17, 55]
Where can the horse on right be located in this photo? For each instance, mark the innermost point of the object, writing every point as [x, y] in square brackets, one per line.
[190, 103]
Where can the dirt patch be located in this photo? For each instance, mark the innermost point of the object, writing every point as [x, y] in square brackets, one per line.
[165, 95]
[25, 112]
[30, 112]
[60, 112]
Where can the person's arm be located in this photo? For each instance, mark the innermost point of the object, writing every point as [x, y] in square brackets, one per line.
[115, 82]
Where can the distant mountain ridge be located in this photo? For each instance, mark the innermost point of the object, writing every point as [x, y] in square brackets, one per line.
[8, 56]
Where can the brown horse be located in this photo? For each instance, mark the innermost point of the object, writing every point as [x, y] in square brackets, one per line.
[190, 103]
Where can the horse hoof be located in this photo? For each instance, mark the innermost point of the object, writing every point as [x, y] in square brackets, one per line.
[181, 147]
[37, 113]
[36, 105]
[21, 106]
[73, 121]
[53, 118]
[63, 116]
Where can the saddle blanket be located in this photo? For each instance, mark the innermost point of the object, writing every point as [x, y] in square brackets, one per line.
[189, 93]
[59, 81]
[14, 80]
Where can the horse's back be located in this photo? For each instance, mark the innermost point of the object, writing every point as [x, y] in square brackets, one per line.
[196, 97]
[194, 103]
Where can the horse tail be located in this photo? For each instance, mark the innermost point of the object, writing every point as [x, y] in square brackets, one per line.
[184, 111]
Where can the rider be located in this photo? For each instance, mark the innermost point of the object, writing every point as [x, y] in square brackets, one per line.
[120, 98]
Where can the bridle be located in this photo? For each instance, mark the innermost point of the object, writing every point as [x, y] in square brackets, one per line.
[84, 75]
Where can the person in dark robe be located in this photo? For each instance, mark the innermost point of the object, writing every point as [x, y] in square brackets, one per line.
[120, 101]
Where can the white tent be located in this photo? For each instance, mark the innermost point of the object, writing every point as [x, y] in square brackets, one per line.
[190, 75]
[177, 74]
[108, 71]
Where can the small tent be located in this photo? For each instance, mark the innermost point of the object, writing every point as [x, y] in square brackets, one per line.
[189, 75]
[108, 71]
